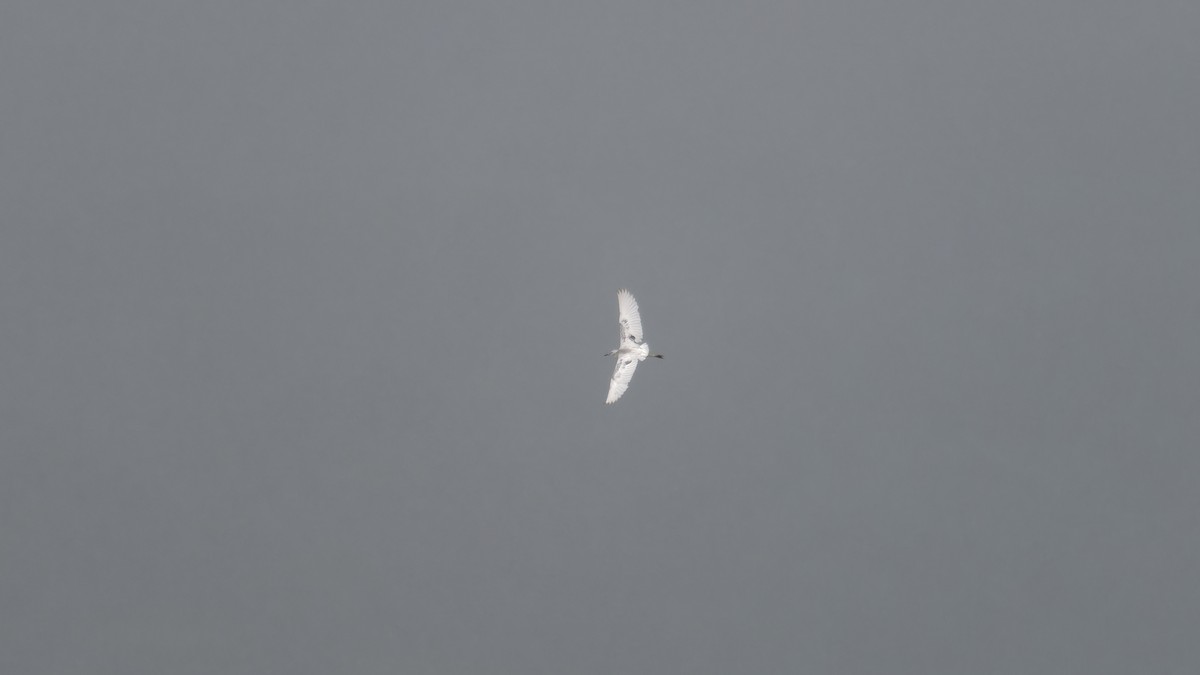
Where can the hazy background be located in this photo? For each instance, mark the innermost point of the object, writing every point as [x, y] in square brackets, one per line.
[302, 308]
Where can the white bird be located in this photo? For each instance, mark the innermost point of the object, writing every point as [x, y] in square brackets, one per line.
[632, 348]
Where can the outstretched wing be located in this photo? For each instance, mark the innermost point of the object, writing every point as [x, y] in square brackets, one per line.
[629, 318]
[621, 376]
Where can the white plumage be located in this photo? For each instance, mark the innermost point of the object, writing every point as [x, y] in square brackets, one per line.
[632, 348]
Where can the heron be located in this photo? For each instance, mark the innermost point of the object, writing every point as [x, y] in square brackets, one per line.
[632, 348]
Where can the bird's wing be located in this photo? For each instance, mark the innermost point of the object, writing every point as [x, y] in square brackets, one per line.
[628, 316]
[621, 376]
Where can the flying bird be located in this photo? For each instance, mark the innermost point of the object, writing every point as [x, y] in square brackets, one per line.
[632, 348]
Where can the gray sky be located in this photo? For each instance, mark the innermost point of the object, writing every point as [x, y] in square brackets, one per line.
[303, 307]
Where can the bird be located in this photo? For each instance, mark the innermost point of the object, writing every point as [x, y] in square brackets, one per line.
[632, 348]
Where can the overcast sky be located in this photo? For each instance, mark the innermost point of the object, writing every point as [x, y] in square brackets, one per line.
[302, 309]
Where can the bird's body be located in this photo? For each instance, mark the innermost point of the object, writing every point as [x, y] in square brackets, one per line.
[632, 349]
